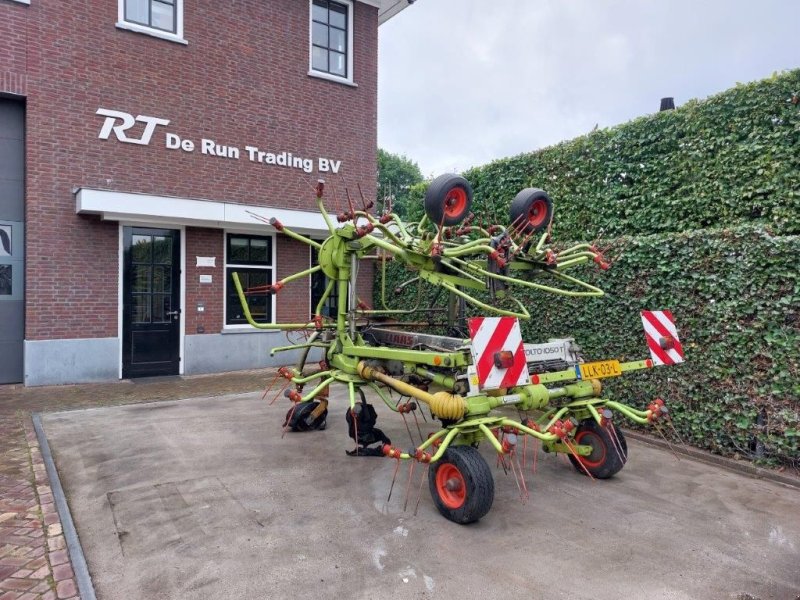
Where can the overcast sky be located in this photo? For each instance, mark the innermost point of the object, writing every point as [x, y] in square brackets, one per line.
[464, 82]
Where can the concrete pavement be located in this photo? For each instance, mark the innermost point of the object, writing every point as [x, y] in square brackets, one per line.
[202, 498]
[34, 563]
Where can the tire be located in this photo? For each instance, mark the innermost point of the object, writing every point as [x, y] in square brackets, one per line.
[461, 484]
[448, 200]
[532, 207]
[605, 460]
[299, 418]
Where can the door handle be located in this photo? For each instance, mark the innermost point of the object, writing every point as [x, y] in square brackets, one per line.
[173, 313]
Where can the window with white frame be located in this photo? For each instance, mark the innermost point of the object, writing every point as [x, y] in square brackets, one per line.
[332, 39]
[163, 18]
[250, 257]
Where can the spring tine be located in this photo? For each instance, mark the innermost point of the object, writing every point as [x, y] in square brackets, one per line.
[524, 450]
[280, 392]
[408, 429]
[347, 193]
[408, 485]
[422, 412]
[288, 420]
[615, 441]
[394, 477]
[535, 454]
[355, 427]
[619, 445]
[502, 460]
[657, 427]
[419, 490]
[514, 471]
[675, 431]
[271, 383]
[525, 494]
[577, 457]
[419, 430]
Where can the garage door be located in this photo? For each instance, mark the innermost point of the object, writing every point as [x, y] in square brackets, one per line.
[12, 241]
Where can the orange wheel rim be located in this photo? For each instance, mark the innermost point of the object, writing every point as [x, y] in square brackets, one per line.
[455, 202]
[450, 486]
[598, 447]
[537, 212]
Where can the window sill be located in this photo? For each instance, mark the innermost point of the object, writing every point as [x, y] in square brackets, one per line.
[164, 35]
[236, 329]
[333, 78]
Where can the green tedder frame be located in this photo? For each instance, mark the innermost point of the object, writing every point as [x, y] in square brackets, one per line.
[445, 249]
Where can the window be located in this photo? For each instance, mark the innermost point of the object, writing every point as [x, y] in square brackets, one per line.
[332, 40]
[160, 18]
[250, 256]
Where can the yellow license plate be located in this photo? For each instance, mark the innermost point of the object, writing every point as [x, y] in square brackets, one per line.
[598, 370]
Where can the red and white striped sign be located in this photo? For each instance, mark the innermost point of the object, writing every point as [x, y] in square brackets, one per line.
[662, 337]
[490, 336]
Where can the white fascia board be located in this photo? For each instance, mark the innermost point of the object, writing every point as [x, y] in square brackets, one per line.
[389, 8]
[165, 210]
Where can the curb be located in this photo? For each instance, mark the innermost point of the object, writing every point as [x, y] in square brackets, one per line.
[81, 570]
[742, 467]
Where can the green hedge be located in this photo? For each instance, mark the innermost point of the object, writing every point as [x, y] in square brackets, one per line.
[735, 294]
[720, 162]
[707, 198]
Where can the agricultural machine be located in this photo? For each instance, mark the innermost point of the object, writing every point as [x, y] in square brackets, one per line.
[477, 365]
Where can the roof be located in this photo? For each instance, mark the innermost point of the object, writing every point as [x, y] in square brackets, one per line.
[388, 8]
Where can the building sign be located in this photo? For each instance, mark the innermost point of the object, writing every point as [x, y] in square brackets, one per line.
[121, 123]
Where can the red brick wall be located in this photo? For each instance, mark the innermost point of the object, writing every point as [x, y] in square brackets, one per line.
[204, 242]
[242, 79]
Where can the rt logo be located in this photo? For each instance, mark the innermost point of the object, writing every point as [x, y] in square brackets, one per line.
[120, 122]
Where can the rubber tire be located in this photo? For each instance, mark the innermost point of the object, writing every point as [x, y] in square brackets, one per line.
[436, 196]
[478, 481]
[594, 435]
[522, 204]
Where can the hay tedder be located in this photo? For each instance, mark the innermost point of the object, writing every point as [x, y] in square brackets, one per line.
[474, 375]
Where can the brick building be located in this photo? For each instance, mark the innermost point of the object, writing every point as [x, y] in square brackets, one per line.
[136, 137]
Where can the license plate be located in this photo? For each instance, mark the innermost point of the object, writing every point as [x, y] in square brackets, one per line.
[598, 370]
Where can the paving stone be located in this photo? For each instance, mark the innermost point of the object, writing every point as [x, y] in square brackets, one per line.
[41, 588]
[36, 551]
[51, 518]
[22, 573]
[56, 543]
[66, 588]
[9, 596]
[54, 530]
[37, 563]
[17, 584]
[62, 572]
[51, 595]
[58, 557]
[41, 572]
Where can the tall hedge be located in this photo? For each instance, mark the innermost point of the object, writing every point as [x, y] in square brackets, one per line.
[702, 206]
[731, 159]
[735, 294]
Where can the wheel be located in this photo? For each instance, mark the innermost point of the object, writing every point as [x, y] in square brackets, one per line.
[307, 416]
[606, 458]
[461, 485]
[448, 200]
[532, 207]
